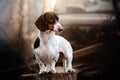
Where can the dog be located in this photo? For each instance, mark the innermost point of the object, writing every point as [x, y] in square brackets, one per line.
[48, 46]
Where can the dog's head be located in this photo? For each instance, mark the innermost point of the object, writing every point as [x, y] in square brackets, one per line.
[48, 21]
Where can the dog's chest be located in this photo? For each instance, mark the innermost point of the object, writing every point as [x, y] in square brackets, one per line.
[48, 49]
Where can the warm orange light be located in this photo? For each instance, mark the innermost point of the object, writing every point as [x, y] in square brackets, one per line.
[50, 5]
[92, 0]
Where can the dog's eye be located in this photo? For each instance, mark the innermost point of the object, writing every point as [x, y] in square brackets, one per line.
[50, 19]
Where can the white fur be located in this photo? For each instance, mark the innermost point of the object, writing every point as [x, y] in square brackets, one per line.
[57, 26]
[49, 50]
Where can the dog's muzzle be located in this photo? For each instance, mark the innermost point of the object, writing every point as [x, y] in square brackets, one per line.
[59, 27]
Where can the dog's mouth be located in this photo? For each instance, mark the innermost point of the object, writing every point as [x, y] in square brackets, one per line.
[52, 28]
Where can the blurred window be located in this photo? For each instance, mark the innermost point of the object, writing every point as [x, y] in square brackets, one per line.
[80, 6]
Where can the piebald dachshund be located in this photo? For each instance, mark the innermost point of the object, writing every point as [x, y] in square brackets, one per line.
[48, 46]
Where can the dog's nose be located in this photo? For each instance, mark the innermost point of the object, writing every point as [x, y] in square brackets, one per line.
[60, 29]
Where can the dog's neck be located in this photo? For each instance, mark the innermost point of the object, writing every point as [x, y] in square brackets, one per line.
[47, 35]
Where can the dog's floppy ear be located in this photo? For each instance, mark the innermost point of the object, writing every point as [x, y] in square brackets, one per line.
[40, 23]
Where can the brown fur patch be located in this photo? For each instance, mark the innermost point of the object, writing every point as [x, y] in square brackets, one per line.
[42, 23]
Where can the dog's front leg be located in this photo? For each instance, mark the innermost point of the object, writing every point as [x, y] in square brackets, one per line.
[42, 67]
[52, 67]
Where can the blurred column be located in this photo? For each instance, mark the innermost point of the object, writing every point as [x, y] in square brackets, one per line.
[24, 15]
[49, 5]
[15, 17]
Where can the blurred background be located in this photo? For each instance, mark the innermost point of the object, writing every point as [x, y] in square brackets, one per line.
[91, 26]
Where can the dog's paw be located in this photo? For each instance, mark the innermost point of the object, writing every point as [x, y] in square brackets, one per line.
[52, 71]
[69, 70]
[42, 72]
